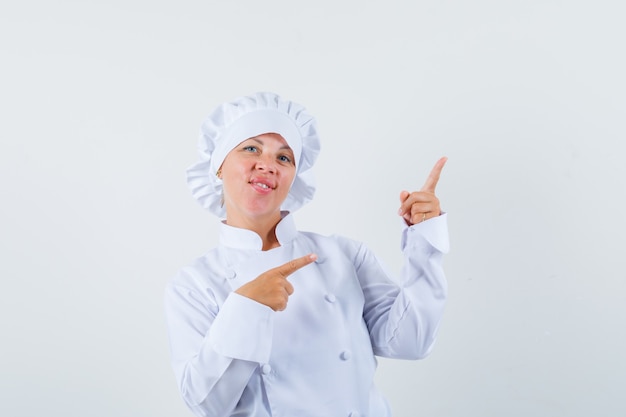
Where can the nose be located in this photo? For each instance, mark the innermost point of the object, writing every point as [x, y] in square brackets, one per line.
[266, 164]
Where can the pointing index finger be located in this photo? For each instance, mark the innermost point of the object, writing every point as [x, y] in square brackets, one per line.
[433, 177]
[292, 266]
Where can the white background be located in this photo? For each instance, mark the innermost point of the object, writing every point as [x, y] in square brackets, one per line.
[100, 106]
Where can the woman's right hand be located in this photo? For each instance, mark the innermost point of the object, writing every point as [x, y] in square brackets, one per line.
[272, 288]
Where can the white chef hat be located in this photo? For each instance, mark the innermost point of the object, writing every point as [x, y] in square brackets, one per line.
[245, 117]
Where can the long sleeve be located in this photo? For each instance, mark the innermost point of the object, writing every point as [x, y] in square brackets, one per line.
[403, 321]
[235, 357]
[215, 351]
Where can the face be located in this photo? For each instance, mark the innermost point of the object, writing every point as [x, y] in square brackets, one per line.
[257, 175]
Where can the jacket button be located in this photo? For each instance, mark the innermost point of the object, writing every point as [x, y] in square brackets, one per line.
[320, 260]
[230, 274]
[345, 355]
[354, 414]
[330, 298]
[266, 369]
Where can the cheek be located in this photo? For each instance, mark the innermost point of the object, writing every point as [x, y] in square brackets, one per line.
[231, 178]
[234, 168]
[289, 178]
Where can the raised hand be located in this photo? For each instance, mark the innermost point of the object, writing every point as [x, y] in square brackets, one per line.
[272, 287]
[422, 205]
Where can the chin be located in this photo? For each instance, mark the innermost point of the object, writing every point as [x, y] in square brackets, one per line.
[258, 210]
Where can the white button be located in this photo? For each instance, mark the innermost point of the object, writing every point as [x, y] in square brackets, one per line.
[230, 274]
[345, 355]
[320, 260]
[330, 298]
[354, 414]
[266, 369]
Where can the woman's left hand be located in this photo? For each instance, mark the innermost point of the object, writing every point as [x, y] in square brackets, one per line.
[422, 205]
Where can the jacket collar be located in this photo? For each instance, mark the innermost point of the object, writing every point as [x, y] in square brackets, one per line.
[237, 238]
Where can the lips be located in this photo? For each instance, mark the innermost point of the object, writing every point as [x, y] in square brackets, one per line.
[262, 184]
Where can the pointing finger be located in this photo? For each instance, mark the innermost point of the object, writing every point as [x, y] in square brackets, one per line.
[433, 177]
[292, 266]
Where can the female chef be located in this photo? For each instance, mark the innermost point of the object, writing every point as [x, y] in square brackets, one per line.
[279, 322]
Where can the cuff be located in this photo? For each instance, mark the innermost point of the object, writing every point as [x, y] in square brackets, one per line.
[243, 329]
[434, 231]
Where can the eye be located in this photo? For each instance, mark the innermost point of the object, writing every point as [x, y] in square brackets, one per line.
[250, 148]
[285, 158]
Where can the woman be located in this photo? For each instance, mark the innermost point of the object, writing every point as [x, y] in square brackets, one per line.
[279, 322]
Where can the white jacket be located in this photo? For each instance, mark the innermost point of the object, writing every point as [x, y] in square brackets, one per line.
[235, 357]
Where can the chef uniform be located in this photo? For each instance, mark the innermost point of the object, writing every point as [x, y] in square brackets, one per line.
[233, 356]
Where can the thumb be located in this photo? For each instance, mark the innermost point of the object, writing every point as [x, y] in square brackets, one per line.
[402, 212]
